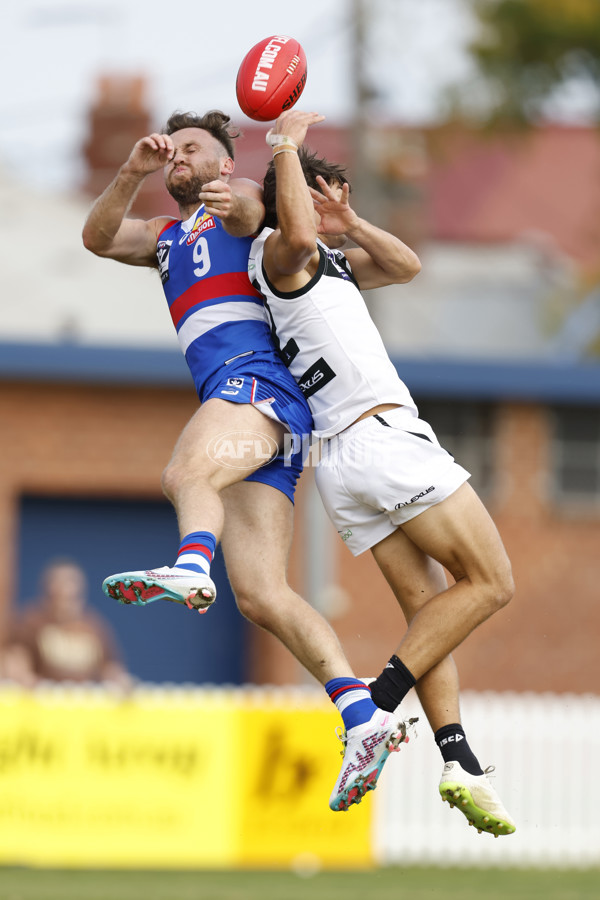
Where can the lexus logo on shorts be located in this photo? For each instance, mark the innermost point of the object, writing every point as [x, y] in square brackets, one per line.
[415, 498]
[242, 449]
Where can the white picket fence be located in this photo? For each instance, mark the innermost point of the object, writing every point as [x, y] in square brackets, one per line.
[546, 750]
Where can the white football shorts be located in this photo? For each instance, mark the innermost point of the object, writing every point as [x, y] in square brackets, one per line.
[382, 472]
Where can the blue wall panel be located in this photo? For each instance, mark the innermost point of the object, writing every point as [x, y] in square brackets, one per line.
[163, 642]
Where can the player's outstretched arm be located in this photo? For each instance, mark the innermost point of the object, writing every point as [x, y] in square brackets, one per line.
[107, 232]
[292, 247]
[380, 258]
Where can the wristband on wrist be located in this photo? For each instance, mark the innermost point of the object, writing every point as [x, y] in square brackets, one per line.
[283, 149]
[278, 140]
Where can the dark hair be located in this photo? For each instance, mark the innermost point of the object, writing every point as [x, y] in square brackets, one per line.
[312, 165]
[214, 121]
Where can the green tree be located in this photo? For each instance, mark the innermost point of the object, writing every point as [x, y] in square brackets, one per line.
[526, 51]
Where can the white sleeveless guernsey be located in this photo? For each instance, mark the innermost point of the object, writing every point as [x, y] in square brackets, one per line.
[329, 342]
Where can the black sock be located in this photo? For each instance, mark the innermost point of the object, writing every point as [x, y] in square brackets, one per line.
[391, 687]
[454, 746]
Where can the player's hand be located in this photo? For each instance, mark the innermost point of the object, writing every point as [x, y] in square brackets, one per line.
[295, 124]
[332, 204]
[218, 198]
[150, 154]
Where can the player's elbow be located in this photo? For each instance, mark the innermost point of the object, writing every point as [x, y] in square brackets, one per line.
[88, 240]
[247, 218]
[243, 227]
[300, 244]
[92, 241]
[412, 267]
[292, 252]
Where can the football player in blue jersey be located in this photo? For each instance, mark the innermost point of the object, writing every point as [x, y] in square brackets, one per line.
[228, 479]
[386, 483]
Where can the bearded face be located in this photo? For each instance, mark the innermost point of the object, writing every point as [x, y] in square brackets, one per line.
[184, 181]
[185, 190]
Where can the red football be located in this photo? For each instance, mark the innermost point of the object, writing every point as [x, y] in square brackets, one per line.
[271, 77]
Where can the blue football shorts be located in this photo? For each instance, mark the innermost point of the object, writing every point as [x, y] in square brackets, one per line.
[270, 388]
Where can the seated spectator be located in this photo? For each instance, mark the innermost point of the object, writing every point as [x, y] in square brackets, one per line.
[59, 638]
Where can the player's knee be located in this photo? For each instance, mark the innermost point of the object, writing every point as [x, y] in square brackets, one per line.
[177, 479]
[251, 607]
[259, 604]
[169, 481]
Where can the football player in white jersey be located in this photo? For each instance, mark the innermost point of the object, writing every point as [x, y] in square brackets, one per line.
[386, 483]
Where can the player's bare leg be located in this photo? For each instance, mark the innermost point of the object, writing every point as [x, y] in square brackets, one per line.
[193, 480]
[460, 534]
[197, 472]
[256, 543]
[416, 580]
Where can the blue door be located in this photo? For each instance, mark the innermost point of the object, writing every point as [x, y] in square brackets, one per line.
[163, 642]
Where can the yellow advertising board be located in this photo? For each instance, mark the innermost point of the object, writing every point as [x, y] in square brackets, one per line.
[292, 759]
[89, 780]
[172, 779]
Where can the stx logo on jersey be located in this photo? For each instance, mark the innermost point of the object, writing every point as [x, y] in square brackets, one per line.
[315, 377]
[163, 248]
[201, 224]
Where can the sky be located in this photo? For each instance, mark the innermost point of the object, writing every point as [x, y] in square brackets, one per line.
[54, 50]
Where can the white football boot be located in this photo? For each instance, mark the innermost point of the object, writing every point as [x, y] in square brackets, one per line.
[196, 590]
[366, 748]
[476, 799]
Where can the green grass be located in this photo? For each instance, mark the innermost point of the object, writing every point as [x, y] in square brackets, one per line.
[382, 884]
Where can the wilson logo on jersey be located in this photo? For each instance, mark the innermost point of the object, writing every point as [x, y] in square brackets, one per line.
[163, 248]
[202, 223]
[315, 377]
